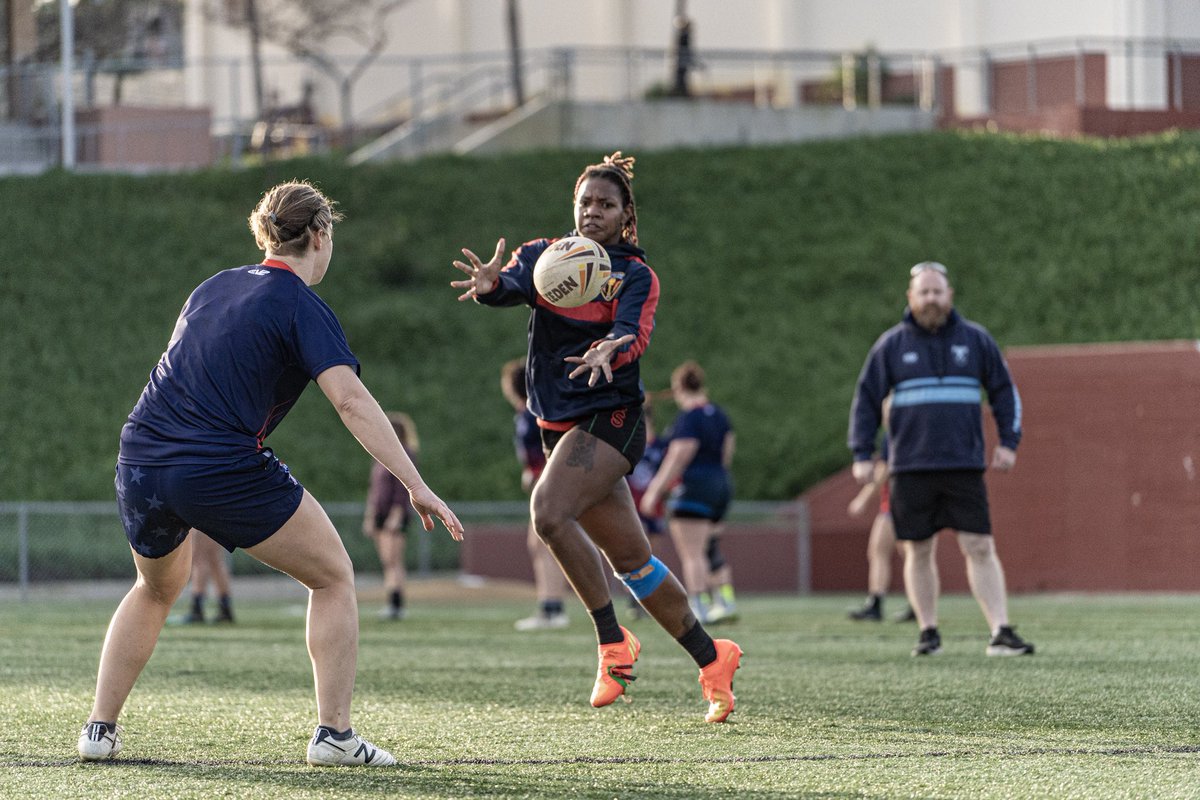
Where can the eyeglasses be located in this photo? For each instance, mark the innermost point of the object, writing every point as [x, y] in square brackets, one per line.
[924, 265]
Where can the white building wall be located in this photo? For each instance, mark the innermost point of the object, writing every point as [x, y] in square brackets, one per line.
[952, 28]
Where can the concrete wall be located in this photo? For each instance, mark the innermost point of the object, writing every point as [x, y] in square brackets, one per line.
[667, 123]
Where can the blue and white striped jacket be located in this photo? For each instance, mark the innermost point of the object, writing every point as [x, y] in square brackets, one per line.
[937, 381]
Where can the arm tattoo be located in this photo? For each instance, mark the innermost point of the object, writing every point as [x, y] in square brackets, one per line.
[583, 453]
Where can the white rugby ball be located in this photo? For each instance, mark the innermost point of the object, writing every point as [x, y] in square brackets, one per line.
[571, 271]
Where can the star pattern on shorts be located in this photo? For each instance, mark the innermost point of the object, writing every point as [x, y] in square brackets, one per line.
[136, 475]
[154, 503]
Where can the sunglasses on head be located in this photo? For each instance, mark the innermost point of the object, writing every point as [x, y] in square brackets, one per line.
[924, 265]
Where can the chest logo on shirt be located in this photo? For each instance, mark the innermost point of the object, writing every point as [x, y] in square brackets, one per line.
[611, 286]
[960, 353]
[910, 357]
[259, 271]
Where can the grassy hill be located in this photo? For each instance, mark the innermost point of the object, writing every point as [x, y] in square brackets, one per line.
[779, 267]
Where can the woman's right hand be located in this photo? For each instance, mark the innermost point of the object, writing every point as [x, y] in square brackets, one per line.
[481, 278]
[428, 505]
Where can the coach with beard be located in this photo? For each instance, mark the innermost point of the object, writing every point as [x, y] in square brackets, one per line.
[936, 364]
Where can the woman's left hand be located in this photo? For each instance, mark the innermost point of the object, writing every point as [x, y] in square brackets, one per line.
[428, 505]
[598, 359]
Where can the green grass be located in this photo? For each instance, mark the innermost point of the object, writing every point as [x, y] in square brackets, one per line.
[779, 266]
[826, 707]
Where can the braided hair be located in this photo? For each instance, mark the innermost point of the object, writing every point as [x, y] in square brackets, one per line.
[618, 169]
[287, 215]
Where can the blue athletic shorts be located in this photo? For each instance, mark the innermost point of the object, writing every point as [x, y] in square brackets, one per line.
[705, 496]
[238, 504]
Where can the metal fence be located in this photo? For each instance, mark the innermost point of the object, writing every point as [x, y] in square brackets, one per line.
[393, 90]
[42, 543]
[307, 110]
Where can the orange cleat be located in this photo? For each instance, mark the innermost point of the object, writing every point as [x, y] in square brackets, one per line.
[616, 669]
[717, 680]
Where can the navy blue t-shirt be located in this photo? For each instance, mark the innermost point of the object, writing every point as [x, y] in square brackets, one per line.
[707, 424]
[245, 346]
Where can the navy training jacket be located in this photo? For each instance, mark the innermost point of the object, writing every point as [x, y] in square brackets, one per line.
[626, 304]
[936, 380]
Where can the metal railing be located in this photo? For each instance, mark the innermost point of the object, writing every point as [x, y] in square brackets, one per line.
[46, 542]
[1136, 74]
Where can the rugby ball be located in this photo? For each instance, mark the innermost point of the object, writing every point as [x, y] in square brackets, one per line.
[571, 271]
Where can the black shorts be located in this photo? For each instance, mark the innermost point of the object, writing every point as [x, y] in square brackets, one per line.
[703, 496]
[925, 502]
[621, 428]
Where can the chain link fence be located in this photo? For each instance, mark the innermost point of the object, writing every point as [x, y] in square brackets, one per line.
[44, 542]
[44, 545]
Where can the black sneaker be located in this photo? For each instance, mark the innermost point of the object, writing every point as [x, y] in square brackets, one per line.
[930, 643]
[908, 615]
[870, 612]
[1007, 643]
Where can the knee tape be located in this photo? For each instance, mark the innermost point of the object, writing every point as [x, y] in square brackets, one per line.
[642, 582]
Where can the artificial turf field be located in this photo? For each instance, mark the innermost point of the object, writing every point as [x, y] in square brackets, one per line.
[1108, 708]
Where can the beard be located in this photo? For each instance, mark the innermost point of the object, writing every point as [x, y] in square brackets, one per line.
[931, 316]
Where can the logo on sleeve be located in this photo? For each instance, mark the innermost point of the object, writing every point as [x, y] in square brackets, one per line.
[910, 357]
[259, 271]
[611, 286]
[960, 353]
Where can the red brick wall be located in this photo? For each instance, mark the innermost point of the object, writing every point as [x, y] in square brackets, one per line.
[1105, 495]
[1055, 83]
[123, 136]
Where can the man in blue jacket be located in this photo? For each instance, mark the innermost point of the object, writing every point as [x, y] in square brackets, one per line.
[936, 364]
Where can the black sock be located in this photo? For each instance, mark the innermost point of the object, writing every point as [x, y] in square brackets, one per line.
[699, 645]
[396, 599]
[607, 629]
[198, 605]
[874, 600]
[341, 736]
[552, 608]
[226, 606]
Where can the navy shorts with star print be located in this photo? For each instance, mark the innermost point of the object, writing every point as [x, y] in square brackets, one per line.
[238, 504]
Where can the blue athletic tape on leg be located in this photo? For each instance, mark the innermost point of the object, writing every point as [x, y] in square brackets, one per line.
[642, 582]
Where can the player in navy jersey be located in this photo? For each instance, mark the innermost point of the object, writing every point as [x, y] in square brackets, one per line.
[584, 387]
[193, 454]
[549, 583]
[697, 460]
[387, 516]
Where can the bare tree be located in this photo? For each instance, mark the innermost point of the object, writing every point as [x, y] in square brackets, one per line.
[341, 38]
[117, 37]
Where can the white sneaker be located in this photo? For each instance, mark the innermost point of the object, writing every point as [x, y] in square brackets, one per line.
[325, 751]
[99, 741]
[721, 613]
[542, 622]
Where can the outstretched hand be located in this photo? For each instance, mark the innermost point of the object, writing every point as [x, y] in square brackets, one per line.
[481, 278]
[428, 505]
[598, 359]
